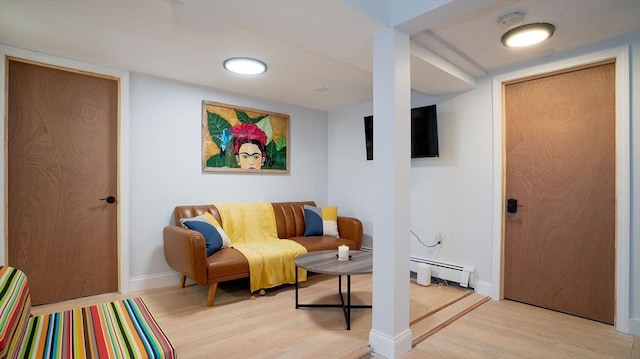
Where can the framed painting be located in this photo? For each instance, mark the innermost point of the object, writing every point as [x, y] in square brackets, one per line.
[238, 139]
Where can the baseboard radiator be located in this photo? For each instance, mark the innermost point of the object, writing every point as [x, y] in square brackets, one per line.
[446, 271]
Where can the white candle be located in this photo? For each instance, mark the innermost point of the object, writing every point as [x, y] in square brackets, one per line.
[343, 253]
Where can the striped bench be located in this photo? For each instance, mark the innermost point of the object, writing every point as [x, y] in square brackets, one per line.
[119, 329]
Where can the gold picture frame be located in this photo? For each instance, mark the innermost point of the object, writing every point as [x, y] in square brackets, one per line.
[240, 139]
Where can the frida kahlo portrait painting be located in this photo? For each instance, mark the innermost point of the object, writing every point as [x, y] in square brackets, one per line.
[244, 140]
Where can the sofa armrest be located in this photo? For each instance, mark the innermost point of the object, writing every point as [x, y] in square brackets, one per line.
[350, 228]
[185, 251]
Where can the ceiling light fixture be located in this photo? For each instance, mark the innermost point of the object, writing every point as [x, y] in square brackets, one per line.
[245, 66]
[527, 35]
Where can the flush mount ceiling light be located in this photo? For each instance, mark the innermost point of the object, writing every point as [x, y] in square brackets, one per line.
[527, 35]
[245, 66]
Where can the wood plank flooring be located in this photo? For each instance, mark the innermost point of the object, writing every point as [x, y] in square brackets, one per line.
[271, 327]
[507, 329]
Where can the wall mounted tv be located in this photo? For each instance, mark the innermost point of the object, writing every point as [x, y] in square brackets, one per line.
[424, 133]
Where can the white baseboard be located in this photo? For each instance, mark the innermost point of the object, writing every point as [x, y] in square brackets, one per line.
[482, 287]
[634, 326]
[390, 347]
[159, 280]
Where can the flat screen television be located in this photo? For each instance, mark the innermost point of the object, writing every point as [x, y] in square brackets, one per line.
[424, 133]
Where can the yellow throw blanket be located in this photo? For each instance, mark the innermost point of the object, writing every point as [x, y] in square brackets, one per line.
[252, 230]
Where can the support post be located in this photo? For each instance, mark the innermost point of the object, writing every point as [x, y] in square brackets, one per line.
[390, 335]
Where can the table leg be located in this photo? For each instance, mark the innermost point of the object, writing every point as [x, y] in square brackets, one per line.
[348, 302]
[345, 309]
[345, 305]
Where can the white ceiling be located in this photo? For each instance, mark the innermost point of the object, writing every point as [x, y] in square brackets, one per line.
[319, 52]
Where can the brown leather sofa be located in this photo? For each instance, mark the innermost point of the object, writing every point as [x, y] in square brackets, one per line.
[184, 249]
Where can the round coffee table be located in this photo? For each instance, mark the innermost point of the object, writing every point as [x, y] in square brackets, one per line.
[327, 262]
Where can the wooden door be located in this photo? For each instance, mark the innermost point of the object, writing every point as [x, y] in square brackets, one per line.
[61, 159]
[559, 246]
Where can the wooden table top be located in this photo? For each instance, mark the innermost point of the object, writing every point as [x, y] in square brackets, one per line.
[327, 262]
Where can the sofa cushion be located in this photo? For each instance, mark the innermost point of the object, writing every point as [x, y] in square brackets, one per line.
[227, 264]
[15, 308]
[211, 236]
[320, 243]
[119, 329]
[321, 221]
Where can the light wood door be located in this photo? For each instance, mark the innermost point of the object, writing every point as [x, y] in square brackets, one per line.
[559, 246]
[61, 160]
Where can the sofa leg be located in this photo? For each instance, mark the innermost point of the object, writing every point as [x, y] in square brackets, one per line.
[211, 294]
[183, 280]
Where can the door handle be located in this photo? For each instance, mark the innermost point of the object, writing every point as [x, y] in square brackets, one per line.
[109, 199]
[512, 205]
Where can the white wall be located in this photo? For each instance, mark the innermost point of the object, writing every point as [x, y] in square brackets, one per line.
[452, 194]
[166, 170]
[449, 194]
[350, 178]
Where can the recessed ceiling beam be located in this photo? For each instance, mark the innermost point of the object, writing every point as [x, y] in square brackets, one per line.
[431, 58]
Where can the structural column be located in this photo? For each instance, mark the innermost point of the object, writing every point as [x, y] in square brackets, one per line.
[390, 335]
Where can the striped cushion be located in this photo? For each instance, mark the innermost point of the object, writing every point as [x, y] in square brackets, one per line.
[15, 306]
[120, 329]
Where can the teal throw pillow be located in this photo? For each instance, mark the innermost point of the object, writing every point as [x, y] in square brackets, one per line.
[211, 235]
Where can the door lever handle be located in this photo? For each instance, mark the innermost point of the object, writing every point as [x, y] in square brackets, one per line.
[108, 199]
[512, 205]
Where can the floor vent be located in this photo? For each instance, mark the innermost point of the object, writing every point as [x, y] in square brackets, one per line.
[447, 271]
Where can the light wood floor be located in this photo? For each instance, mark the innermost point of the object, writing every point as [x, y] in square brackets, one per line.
[271, 327]
[507, 329]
